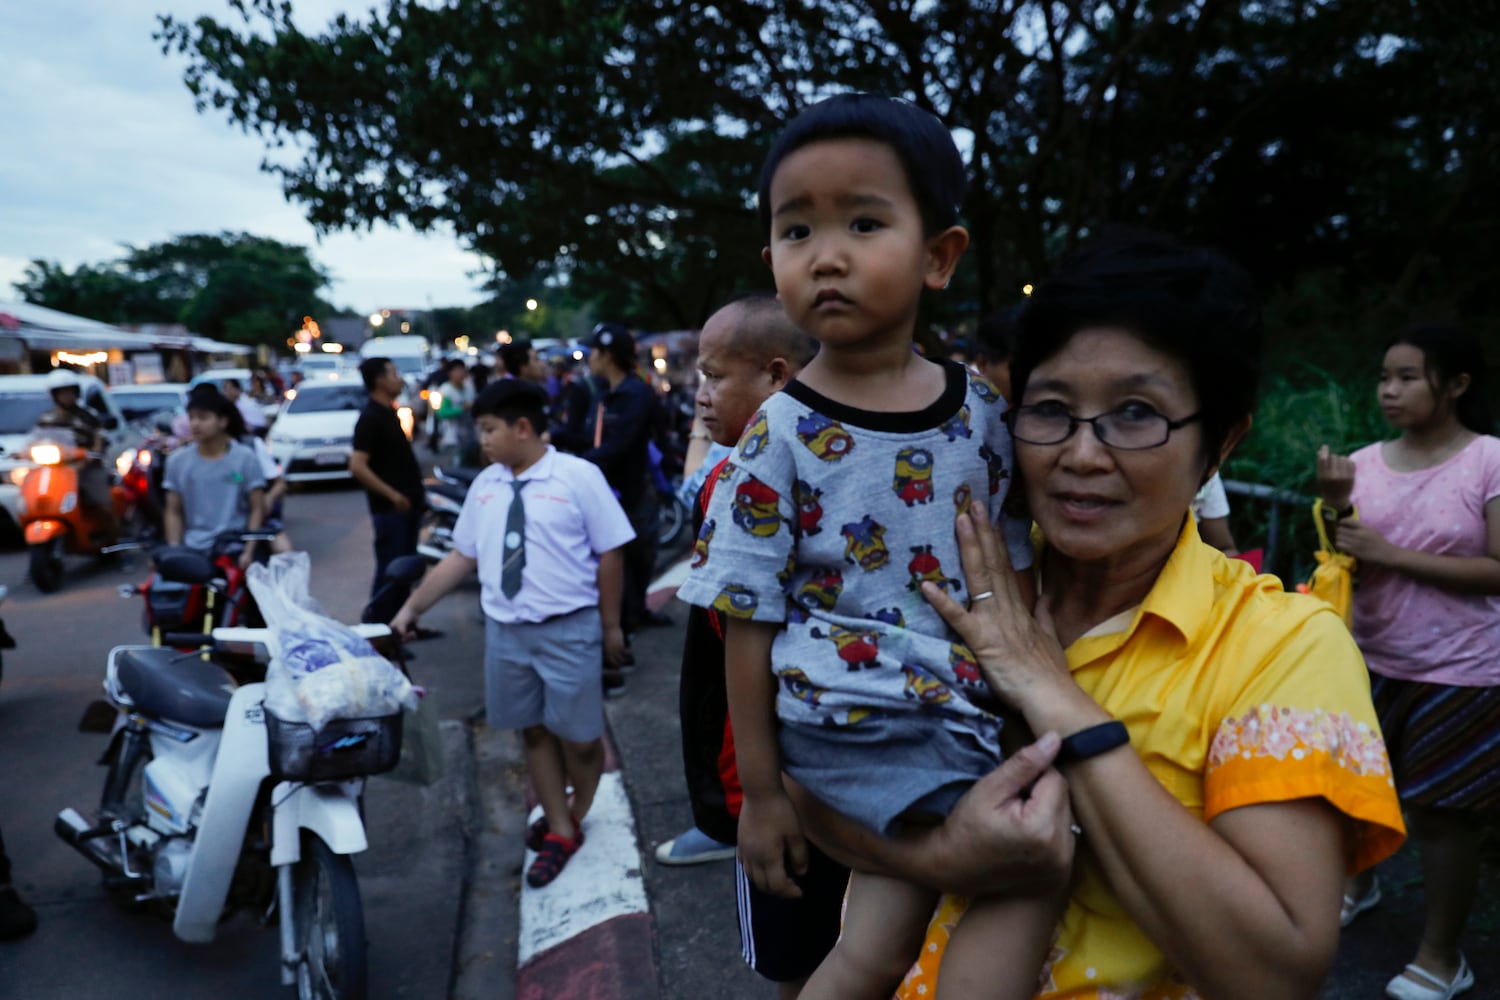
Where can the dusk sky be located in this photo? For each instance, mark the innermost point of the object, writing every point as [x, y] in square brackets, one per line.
[104, 148]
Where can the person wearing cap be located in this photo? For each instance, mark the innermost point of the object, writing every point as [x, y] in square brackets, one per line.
[215, 486]
[70, 415]
[614, 435]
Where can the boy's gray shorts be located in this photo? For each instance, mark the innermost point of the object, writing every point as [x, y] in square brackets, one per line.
[883, 767]
[546, 674]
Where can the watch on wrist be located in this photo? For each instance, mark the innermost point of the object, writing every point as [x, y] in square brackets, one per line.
[1092, 742]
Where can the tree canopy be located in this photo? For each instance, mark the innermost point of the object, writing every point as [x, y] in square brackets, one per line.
[1339, 148]
[232, 286]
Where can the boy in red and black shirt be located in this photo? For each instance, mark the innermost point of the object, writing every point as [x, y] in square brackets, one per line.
[747, 351]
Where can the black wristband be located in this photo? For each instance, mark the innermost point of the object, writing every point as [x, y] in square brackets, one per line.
[1093, 741]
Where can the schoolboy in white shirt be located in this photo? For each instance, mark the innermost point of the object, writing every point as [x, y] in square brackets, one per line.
[545, 533]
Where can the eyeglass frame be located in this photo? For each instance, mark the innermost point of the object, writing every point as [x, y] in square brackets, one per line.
[1011, 416]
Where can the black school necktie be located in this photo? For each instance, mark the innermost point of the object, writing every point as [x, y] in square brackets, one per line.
[514, 551]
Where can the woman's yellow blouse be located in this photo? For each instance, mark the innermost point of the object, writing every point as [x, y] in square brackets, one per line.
[1234, 693]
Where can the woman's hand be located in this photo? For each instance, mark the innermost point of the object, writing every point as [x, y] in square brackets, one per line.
[1335, 479]
[1019, 656]
[1363, 543]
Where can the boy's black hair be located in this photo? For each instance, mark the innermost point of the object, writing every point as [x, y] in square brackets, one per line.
[995, 335]
[370, 370]
[934, 168]
[1190, 302]
[510, 399]
[206, 396]
[1448, 352]
[515, 354]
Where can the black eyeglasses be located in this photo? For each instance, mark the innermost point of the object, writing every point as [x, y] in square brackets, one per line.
[1132, 427]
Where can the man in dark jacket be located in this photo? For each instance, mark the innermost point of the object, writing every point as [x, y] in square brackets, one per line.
[614, 433]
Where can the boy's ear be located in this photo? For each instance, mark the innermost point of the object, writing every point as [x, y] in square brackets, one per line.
[943, 251]
[780, 372]
[765, 255]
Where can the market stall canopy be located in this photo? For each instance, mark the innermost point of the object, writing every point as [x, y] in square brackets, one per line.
[48, 329]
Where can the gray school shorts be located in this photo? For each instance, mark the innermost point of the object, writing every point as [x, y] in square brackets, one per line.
[885, 769]
[546, 674]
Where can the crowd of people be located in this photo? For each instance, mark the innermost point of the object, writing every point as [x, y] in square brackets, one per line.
[973, 689]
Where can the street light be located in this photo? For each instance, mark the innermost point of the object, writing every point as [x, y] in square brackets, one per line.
[531, 305]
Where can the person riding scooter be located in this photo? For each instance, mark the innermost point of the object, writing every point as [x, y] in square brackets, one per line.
[69, 415]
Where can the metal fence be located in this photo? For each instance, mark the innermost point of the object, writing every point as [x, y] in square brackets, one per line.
[1296, 564]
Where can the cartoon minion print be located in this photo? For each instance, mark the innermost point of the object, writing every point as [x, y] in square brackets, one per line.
[736, 601]
[825, 438]
[809, 509]
[957, 426]
[700, 544]
[858, 649]
[913, 480]
[864, 544]
[753, 441]
[755, 508]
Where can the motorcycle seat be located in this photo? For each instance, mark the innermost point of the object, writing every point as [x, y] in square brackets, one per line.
[449, 490]
[465, 474]
[175, 686]
[181, 564]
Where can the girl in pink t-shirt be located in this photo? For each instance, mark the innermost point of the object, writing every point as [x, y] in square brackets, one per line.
[1427, 617]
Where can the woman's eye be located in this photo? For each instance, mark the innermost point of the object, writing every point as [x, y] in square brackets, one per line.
[1049, 409]
[1134, 412]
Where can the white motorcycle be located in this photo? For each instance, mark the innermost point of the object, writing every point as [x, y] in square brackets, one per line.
[211, 803]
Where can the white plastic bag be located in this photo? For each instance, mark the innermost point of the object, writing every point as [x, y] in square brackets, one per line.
[320, 669]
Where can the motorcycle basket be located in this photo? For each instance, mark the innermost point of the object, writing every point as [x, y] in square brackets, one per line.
[344, 748]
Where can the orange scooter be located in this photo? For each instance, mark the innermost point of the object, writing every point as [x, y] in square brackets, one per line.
[53, 517]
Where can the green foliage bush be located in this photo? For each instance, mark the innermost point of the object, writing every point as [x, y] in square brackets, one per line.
[1298, 412]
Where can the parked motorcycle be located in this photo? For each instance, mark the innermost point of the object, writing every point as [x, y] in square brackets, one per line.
[211, 803]
[55, 522]
[191, 593]
[445, 490]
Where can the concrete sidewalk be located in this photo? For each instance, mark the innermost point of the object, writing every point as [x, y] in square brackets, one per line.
[688, 946]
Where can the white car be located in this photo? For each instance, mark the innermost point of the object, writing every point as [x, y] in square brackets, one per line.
[147, 402]
[314, 433]
[23, 398]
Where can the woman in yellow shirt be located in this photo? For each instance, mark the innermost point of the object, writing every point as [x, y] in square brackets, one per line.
[1222, 759]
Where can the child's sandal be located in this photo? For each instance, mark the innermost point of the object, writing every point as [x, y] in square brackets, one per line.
[550, 860]
[538, 831]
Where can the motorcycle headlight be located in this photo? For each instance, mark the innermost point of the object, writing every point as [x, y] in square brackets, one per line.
[123, 462]
[46, 454]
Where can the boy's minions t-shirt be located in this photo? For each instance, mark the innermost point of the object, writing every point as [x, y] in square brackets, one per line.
[829, 518]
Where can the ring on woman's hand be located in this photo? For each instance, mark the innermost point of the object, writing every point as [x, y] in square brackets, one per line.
[1077, 830]
[979, 597]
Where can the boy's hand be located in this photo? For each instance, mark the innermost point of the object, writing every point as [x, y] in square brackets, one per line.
[404, 624]
[616, 651]
[770, 836]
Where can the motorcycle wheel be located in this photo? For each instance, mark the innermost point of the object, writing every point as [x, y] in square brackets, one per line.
[674, 520]
[47, 565]
[124, 798]
[330, 925]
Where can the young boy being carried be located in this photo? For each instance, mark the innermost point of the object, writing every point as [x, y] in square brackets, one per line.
[545, 533]
[835, 509]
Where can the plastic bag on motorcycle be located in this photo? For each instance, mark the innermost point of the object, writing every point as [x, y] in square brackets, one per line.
[320, 669]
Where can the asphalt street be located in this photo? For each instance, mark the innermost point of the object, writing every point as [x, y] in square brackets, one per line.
[413, 877]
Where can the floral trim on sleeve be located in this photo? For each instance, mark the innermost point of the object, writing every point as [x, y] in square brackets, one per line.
[1276, 753]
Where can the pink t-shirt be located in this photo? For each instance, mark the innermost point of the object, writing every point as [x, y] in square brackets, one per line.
[1413, 630]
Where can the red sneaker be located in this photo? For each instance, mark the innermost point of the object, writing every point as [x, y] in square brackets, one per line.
[550, 860]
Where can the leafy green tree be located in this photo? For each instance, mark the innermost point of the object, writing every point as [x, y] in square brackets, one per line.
[234, 286]
[611, 148]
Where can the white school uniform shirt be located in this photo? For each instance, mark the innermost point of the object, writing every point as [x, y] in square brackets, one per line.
[572, 517]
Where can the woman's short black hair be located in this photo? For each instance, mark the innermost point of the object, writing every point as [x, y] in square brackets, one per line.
[1448, 352]
[1190, 302]
[934, 168]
